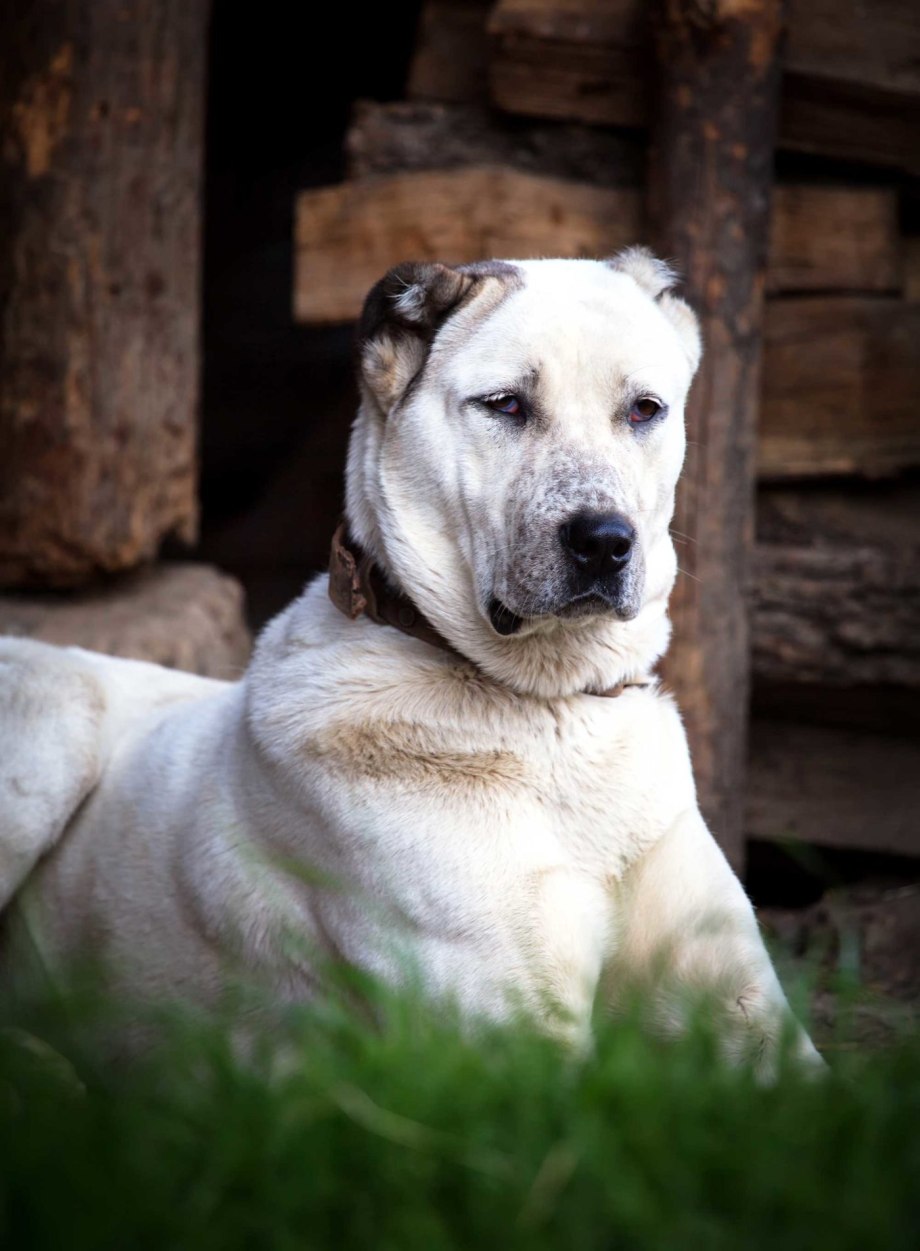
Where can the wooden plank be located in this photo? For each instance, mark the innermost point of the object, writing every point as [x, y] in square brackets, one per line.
[718, 81]
[101, 128]
[348, 235]
[852, 85]
[833, 788]
[573, 59]
[848, 123]
[835, 238]
[841, 376]
[451, 57]
[848, 41]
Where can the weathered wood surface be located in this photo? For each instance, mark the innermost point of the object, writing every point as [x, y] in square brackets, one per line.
[405, 137]
[578, 60]
[710, 177]
[101, 118]
[184, 616]
[841, 379]
[833, 787]
[852, 85]
[822, 238]
[451, 57]
[835, 238]
[836, 588]
[347, 236]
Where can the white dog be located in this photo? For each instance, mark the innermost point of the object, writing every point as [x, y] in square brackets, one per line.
[462, 754]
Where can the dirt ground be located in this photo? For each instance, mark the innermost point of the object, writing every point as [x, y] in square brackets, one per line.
[858, 949]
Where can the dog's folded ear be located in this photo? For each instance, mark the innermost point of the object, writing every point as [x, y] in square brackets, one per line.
[402, 315]
[657, 279]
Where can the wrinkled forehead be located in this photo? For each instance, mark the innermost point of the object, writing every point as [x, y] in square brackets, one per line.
[568, 321]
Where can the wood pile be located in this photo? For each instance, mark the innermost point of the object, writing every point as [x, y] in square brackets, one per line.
[525, 134]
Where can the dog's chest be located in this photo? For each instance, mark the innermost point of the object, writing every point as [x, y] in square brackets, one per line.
[528, 786]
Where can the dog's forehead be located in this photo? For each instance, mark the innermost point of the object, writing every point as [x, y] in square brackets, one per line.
[566, 314]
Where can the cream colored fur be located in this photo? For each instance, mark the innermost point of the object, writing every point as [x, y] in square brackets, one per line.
[484, 824]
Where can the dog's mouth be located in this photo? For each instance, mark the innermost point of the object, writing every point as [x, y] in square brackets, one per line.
[503, 620]
[590, 604]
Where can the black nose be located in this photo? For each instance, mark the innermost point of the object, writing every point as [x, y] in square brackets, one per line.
[599, 542]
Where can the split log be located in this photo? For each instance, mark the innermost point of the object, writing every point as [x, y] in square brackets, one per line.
[836, 588]
[451, 58]
[841, 378]
[852, 86]
[101, 118]
[835, 238]
[578, 60]
[833, 788]
[823, 238]
[184, 616]
[710, 177]
[347, 236]
[406, 137]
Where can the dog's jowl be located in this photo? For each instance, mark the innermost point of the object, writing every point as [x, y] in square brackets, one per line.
[456, 734]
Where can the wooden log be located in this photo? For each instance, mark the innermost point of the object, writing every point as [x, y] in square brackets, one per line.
[841, 380]
[577, 60]
[451, 57]
[408, 137]
[835, 238]
[101, 112]
[823, 238]
[710, 177]
[833, 788]
[184, 616]
[852, 87]
[836, 592]
[347, 236]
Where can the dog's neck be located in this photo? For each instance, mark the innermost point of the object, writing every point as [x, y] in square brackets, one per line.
[358, 586]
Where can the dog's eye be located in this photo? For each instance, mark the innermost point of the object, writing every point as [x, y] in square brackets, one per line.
[644, 410]
[510, 405]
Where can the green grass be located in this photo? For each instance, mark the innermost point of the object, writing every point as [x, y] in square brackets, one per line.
[333, 1133]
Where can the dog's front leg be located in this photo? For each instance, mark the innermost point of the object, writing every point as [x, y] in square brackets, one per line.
[687, 934]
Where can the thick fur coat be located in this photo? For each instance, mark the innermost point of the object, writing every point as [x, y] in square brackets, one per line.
[483, 818]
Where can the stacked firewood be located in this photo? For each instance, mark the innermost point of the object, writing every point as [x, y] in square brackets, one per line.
[524, 134]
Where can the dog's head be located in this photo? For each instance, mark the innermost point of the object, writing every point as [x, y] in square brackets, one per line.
[514, 460]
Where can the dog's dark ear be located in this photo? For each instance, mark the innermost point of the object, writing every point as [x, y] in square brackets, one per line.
[656, 278]
[401, 316]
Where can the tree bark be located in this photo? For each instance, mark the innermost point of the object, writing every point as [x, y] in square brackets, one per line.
[101, 118]
[710, 179]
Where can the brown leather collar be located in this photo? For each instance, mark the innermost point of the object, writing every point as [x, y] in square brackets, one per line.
[357, 585]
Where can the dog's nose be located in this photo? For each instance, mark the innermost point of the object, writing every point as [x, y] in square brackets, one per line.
[599, 542]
